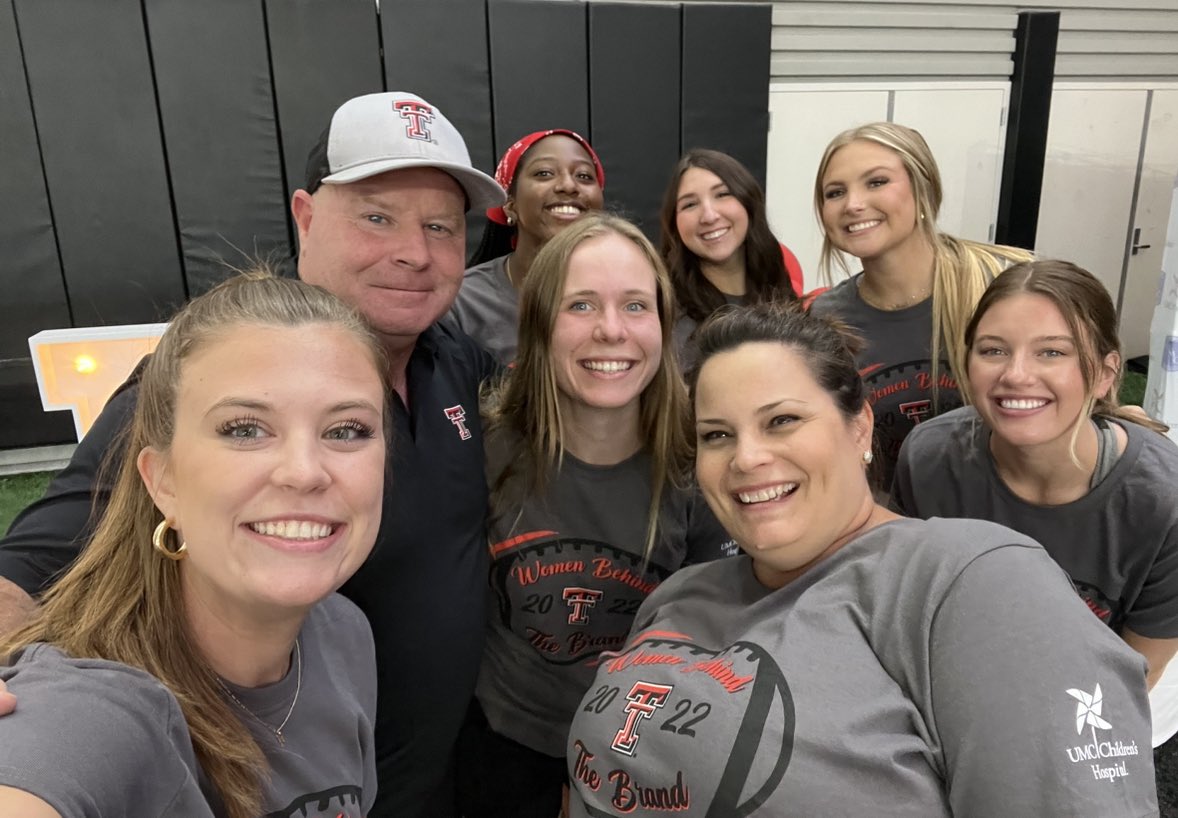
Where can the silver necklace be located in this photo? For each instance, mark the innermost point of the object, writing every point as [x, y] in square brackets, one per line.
[919, 295]
[277, 731]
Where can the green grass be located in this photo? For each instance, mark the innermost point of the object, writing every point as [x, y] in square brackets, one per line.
[17, 491]
[1133, 389]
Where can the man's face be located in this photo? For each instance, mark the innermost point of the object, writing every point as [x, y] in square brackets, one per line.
[392, 246]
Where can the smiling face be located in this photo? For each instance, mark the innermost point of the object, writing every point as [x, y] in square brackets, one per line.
[778, 462]
[392, 246]
[555, 184]
[711, 221]
[274, 474]
[607, 339]
[868, 208]
[1025, 372]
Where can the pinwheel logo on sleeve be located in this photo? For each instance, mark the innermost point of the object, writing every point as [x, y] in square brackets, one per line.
[1088, 710]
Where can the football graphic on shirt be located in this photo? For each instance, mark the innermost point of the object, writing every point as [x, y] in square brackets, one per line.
[666, 700]
[902, 396]
[338, 802]
[569, 598]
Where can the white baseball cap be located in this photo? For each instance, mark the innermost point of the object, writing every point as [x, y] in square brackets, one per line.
[375, 133]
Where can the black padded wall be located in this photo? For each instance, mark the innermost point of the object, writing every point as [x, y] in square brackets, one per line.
[634, 103]
[30, 277]
[322, 52]
[90, 81]
[31, 267]
[438, 50]
[725, 100]
[216, 104]
[159, 139]
[539, 68]
[1026, 128]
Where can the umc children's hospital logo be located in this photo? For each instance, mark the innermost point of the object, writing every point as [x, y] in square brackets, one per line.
[1088, 714]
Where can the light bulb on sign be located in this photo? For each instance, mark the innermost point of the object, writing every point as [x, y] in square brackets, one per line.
[78, 369]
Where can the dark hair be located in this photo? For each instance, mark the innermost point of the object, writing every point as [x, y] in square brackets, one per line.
[827, 345]
[764, 266]
[496, 242]
[1087, 309]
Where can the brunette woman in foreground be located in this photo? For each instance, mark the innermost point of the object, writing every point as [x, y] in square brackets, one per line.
[851, 662]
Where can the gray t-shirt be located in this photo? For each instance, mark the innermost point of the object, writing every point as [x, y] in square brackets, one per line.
[896, 367]
[487, 309]
[567, 577]
[1119, 542]
[683, 334]
[926, 668]
[96, 739]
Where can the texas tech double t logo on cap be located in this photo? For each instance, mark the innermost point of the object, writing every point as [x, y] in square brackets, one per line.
[417, 116]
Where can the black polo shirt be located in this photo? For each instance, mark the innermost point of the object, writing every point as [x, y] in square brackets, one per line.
[423, 587]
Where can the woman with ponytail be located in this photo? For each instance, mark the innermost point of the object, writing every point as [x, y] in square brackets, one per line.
[194, 661]
[877, 195]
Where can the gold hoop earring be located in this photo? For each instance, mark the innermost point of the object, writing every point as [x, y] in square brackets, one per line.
[867, 458]
[158, 538]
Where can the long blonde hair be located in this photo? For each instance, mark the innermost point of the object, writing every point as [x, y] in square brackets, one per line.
[121, 600]
[962, 268]
[528, 403]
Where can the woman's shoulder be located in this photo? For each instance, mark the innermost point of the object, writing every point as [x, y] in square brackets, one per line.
[949, 435]
[934, 552]
[1148, 468]
[490, 269]
[838, 298]
[84, 731]
[1162, 450]
[338, 623]
[46, 672]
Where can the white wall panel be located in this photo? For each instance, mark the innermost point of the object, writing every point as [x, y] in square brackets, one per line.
[1093, 145]
[966, 130]
[1159, 170]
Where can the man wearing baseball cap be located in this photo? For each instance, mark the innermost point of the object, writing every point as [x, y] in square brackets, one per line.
[382, 225]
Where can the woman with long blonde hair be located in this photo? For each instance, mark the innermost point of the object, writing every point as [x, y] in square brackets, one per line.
[194, 661]
[877, 195]
[592, 506]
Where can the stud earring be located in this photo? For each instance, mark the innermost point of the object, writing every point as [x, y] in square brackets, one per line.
[867, 458]
[510, 221]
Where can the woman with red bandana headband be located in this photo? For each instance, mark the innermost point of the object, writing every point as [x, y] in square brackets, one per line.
[552, 178]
